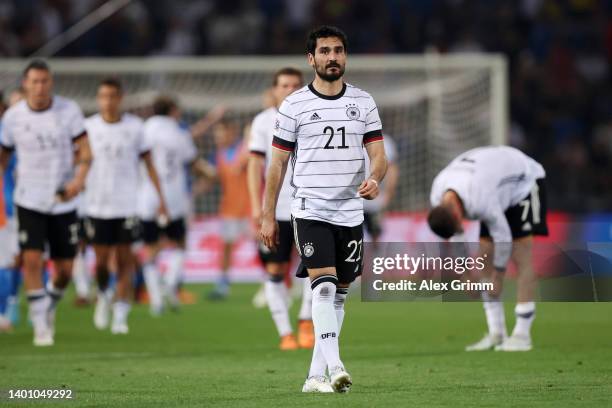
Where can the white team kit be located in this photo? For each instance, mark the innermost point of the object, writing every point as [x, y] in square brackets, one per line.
[261, 143]
[113, 179]
[172, 149]
[489, 181]
[43, 137]
[327, 135]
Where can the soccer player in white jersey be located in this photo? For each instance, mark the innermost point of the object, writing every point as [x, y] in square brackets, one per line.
[47, 133]
[286, 81]
[111, 196]
[172, 149]
[504, 189]
[323, 128]
[373, 210]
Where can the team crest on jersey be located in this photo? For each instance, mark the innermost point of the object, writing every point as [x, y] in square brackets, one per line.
[352, 112]
[308, 250]
[276, 124]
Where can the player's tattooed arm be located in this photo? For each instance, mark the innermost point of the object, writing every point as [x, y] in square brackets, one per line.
[274, 178]
[378, 168]
[82, 162]
[152, 172]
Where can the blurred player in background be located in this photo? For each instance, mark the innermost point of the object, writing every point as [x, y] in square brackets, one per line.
[111, 199]
[46, 128]
[172, 149]
[277, 262]
[230, 160]
[504, 189]
[323, 128]
[10, 272]
[373, 210]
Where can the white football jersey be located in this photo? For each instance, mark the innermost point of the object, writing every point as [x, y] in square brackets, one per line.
[43, 142]
[326, 135]
[112, 183]
[172, 149]
[261, 143]
[375, 205]
[489, 180]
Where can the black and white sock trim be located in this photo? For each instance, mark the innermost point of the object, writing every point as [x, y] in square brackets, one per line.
[323, 278]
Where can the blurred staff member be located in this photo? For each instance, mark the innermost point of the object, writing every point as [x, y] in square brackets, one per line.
[230, 161]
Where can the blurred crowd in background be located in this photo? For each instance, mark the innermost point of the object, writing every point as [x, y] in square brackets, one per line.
[559, 54]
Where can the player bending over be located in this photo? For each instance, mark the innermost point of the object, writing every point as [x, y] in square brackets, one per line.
[118, 143]
[323, 128]
[503, 189]
[47, 133]
[286, 81]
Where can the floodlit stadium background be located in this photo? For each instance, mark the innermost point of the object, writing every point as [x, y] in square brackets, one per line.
[448, 76]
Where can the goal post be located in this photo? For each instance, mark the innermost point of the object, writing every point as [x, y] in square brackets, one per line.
[433, 106]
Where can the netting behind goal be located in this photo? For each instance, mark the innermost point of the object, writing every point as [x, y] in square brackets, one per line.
[434, 107]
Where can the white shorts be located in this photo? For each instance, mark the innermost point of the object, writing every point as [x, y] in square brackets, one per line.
[233, 228]
[9, 243]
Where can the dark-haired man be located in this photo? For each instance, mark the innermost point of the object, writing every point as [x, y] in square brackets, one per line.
[286, 81]
[172, 148]
[111, 196]
[47, 133]
[503, 189]
[323, 128]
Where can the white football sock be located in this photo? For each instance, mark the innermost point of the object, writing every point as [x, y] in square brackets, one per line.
[174, 273]
[324, 318]
[276, 296]
[121, 310]
[339, 300]
[39, 303]
[306, 308]
[494, 312]
[80, 275]
[153, 282]
[318, 365]
[54, 293]
[525, 314]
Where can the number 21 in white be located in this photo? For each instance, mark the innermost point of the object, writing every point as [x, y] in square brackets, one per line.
[357, 248]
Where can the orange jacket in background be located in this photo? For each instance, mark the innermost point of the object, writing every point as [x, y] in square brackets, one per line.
[232, 172]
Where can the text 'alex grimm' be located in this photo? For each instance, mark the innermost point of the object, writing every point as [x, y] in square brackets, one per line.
[411, 266]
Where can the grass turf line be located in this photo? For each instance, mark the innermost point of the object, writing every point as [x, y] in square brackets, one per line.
[399, 354]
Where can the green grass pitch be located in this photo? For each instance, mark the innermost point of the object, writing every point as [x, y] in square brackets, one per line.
[399, 354]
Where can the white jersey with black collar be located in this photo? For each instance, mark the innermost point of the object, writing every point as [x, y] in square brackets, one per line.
[326, 135]
[43, 141]
[489, 180]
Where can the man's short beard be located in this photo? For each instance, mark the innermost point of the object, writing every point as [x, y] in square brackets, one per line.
[330, 77]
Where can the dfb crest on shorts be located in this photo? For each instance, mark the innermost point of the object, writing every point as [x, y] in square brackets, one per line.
[308, 250]
[352, 112]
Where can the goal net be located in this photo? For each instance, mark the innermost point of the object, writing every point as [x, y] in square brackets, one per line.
[433, 106]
